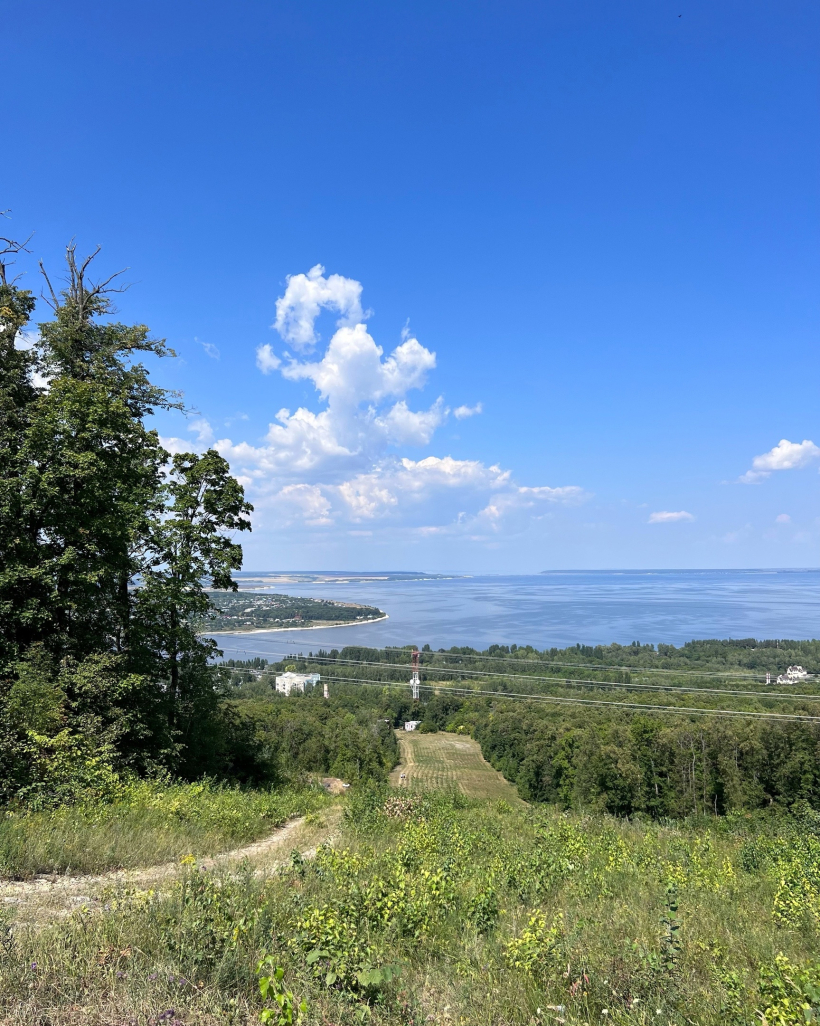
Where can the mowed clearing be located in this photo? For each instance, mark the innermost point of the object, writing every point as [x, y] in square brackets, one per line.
[449, 760]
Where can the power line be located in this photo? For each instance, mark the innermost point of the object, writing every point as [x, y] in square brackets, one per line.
[586, 683]
[552, 662]
[554, 699]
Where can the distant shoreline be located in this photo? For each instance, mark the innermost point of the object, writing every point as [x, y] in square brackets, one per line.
[320, 627]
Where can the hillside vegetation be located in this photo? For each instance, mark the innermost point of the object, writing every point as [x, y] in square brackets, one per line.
[628, 729]
[434, 907]
[143, 824]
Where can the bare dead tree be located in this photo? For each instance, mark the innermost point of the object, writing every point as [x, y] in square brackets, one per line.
[84, 296]
[10, 247]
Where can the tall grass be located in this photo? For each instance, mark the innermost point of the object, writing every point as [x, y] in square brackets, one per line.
[147, 822]
[439, 908]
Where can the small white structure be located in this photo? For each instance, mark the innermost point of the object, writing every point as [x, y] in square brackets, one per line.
[794, 675]
[289, 682]
[411, 724]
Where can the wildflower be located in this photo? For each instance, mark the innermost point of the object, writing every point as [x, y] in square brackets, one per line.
[153, 976]
[34, 966]
[120, 975]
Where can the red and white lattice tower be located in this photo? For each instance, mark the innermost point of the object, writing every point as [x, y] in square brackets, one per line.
[414, 680]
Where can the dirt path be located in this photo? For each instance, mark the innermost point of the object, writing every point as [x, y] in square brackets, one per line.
[54, 895]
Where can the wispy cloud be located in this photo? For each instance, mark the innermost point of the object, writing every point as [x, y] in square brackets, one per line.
[785, 455]
[782, 518]
[210, 349]
[462, 412]
[741, 534]
[235, 417]
[668, 517]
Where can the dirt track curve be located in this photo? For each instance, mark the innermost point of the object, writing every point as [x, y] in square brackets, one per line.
[53, 895]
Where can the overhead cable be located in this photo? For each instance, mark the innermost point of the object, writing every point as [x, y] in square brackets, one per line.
[564, 681]
[555, 699]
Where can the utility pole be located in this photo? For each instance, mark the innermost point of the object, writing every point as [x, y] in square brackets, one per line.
[414, 680]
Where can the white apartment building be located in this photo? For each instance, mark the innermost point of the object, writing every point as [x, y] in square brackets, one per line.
[289, 682]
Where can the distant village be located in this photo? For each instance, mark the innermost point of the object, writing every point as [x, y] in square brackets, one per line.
[241, 611]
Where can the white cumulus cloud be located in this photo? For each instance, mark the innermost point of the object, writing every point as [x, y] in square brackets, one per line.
[785, 455]
[462, 412]
[340, 462]
[306, 295]
[304, 502]
[667, 517]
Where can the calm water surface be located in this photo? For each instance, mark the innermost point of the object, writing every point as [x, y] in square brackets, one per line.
[561, 608]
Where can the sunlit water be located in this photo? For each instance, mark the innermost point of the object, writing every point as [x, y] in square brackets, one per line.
[560, 609]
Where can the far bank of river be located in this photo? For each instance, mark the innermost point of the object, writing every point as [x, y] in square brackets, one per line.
[298, 630]
[557, 609]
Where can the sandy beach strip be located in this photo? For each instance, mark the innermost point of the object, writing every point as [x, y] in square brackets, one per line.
[277, 630]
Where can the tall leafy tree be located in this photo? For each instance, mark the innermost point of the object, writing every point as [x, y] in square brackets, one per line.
[189, 550]
[91, 475]
[106, 544]
[17, 397]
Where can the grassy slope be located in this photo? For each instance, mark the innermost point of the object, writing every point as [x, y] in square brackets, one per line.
[146, 824]
[448, 760]
[492, 913]
[496, 914]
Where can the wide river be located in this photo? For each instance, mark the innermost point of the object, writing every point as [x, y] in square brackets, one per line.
[560, 609]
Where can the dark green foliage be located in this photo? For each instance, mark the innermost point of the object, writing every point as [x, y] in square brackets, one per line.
[187, 547]
[106, 546]
[616, 760]
[625, 763]
[351, 736]
[86, 475]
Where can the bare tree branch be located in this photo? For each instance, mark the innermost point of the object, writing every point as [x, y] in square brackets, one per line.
[54, 302]
[80, 292]
[8, 246]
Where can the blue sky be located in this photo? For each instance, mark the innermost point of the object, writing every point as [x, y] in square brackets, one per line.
[596, 221]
